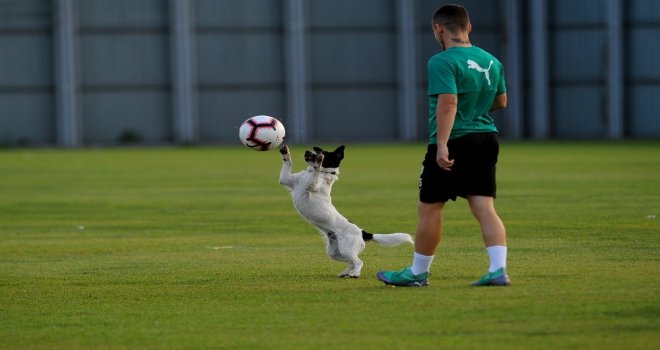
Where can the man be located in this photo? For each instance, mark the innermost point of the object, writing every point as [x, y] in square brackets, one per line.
[465, 83]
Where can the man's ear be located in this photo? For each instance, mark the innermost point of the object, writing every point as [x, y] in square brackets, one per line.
[438, 28]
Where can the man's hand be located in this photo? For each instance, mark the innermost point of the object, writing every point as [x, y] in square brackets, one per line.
[442, 157]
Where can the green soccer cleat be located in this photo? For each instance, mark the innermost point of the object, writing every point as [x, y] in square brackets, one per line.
[495, 278]
[403, 278]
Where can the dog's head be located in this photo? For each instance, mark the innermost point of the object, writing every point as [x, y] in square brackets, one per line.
[331, 159]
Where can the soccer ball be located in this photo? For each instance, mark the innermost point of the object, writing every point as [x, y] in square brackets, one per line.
[261, 133]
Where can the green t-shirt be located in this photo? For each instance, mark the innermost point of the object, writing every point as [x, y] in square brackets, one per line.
[476, 77]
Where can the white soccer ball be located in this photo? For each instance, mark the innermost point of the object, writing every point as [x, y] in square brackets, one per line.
[261, 133]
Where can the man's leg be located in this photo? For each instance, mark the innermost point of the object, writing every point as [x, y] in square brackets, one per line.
[429, 233]
[429, 228]
[428, 236]
[492, 228]
[494, 235]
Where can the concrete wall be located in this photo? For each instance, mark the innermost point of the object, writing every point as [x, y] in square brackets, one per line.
[99, 72]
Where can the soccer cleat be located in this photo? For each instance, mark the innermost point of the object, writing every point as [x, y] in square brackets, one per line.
[403, 278]
[495, 278]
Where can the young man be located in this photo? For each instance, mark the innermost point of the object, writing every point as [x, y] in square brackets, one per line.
[465, 83]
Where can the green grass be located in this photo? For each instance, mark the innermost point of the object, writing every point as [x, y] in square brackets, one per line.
[201, 248]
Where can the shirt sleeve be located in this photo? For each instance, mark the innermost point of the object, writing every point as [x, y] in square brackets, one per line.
[442, 77]
[501, 86]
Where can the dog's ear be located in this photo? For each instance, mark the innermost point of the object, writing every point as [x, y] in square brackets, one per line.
[340, 152]
[317, 149]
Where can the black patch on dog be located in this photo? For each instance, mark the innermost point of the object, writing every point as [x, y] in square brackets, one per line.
[310, 156]
[331, 235]
[366, 236]
[330, 159]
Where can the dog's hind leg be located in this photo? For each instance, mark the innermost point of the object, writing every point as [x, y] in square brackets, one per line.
[337, 250]
[332, 248]
[349, 248]
[353, 269]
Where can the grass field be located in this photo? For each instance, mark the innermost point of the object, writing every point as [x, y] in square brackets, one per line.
[200, 248]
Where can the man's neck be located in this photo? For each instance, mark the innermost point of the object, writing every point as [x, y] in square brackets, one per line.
[457, 41]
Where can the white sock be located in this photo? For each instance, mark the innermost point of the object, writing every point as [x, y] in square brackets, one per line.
[421, 263]
[497, 254]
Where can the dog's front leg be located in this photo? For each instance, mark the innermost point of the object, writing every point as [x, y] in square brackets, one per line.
[314, 184]
[286, 178]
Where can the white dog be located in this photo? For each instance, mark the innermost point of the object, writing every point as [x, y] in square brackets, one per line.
[310, 190]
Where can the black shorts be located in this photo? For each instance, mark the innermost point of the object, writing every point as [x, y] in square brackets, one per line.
[473, 172]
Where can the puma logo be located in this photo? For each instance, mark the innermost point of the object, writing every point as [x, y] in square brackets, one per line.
[474, 65]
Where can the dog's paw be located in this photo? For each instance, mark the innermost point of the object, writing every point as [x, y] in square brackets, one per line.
[284, 149]
[319, 159]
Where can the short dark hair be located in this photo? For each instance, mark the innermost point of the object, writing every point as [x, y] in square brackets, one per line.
[454, 17]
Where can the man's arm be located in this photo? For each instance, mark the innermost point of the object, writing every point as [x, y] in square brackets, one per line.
[445, 114]
[499, 102]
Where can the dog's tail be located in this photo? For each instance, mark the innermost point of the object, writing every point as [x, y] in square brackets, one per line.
[388, 240]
